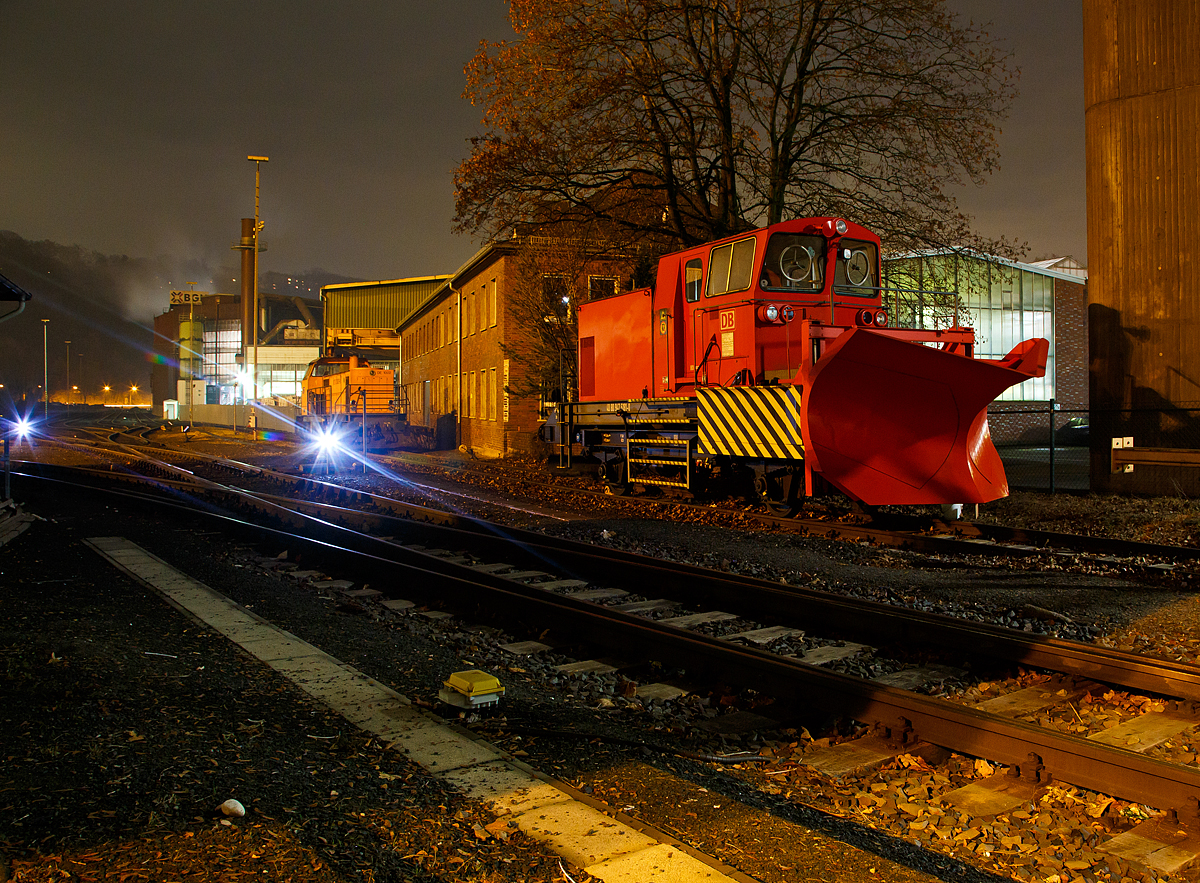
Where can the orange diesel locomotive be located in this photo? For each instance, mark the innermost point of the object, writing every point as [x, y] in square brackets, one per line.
[340, 388]
[767, 356]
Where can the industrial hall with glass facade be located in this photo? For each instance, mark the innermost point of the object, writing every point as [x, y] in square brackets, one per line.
[1006, 302]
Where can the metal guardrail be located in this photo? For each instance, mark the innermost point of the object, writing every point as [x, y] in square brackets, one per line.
[1125, 456]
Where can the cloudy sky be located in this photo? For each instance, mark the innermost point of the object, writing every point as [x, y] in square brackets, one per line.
[125, 126]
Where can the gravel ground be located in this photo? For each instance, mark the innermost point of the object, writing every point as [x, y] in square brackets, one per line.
[127, 726]
[774, 820]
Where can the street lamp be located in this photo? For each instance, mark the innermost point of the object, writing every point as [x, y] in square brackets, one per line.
[45, 370]
[258, 161]
[106, 391]
[191, 351]
[68, 343]
[132, 390]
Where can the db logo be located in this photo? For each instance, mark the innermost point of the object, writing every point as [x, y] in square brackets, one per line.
[726, 320]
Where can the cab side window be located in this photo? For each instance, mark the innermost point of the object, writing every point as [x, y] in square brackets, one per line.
[730, 267]
[692, 275]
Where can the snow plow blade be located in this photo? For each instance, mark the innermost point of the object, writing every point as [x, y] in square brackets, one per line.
[889, 421]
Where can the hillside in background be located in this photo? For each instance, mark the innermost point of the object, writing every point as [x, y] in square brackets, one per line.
[105, 305]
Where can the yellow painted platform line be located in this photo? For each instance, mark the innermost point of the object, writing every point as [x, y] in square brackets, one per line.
[603, 846]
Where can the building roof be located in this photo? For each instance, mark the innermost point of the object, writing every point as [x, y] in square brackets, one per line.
[385, 304]
[455, 280]
[1065, 268]
[1066, 264]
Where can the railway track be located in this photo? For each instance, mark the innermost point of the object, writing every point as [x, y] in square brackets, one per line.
[913, 533]
[1062, 724]
[1151, 561]
[576, 589]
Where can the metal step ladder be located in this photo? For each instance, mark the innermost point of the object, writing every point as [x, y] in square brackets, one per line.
[641, 466]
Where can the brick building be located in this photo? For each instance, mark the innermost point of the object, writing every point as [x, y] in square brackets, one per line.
[461, 352]
[453, 370]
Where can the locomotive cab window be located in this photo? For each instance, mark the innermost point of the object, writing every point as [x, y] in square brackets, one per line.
[794, 262]
[730, 267]
[327, 369]
[692, 274]
[857, 268]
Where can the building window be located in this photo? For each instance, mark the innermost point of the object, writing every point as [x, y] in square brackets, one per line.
[601, 286]
[492, 304]
[492, 394]
[281, 380]
[222, 343]
[556, 294]
[1005, 304]
[504, 390]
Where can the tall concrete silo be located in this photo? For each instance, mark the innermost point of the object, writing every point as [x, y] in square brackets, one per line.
[1142, 93]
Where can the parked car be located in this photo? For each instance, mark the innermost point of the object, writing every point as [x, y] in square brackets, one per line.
[1073, 433]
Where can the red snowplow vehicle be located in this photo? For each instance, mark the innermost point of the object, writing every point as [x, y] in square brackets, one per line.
[769, 356]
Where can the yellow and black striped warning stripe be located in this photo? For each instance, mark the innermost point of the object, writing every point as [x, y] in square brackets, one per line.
[751, 421]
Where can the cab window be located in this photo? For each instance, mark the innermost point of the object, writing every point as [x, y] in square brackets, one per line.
[692, 274]
[794, 262]
[329, 368]
[730, 267]
[856, 269]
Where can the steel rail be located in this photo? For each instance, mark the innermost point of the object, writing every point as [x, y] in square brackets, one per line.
[935, 535]
[1078, 542]
[1082, 762]
[919, 534]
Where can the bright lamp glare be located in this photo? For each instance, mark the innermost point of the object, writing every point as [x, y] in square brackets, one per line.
[24, 427]
[327, 441]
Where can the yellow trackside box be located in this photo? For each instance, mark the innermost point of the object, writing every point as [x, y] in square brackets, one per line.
[471, 689]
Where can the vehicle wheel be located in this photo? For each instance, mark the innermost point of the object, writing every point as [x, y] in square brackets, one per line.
[781, 492]
[701, 487]
[612, 474]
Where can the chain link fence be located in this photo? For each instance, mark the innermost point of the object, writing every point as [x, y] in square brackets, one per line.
[1036, 458]
[1043, 447]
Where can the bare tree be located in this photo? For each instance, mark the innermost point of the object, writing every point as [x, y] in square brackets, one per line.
[927, 290]
[552, 276]
[697, 118]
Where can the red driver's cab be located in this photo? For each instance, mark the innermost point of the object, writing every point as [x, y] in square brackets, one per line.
[733, 311]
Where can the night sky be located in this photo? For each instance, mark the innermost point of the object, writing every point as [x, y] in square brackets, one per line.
[125, 126]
